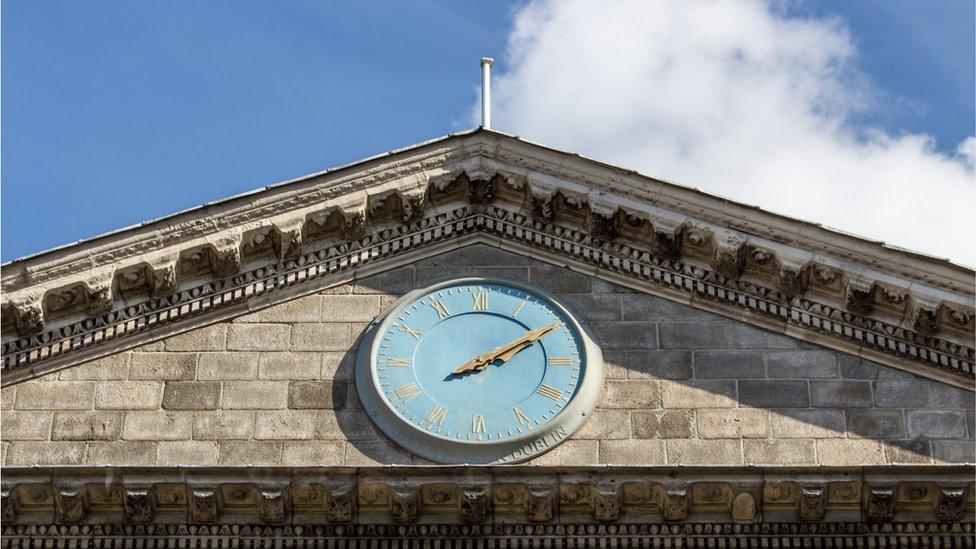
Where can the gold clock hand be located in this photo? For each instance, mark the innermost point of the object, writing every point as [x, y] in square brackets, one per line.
[505, 352]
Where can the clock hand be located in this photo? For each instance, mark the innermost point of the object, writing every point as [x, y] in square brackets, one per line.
[505, 352]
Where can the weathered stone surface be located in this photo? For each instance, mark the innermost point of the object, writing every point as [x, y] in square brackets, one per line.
[876, 424]
[900, 393]
[653, 364]
[104, 425]
[632, 452]
[699, 394]
[605, 424]
[112, 367]
[163, 366]
[259, 337]
[144, 425]
[704, 452]
[560, 280]
[571, 452]
[45, 453]
[350, 308]
[936, 424]
[908, 451]
[290, 365]
[187, 452]
[946, 396]
[228, 366]
[953, 451]
[26, 425]
[303, 309]
[209, 338]
[121, 453]
[733, 423]
[191, 395]
[801, 364]
[375, 452]
[294, 425]
[223, 425]
[664, 424]
[254, 395]
[774, 393]
[129, 395]
[833, 451]
[631, 394]
[790, 423]
[61, 395]
[841, 394]
[625, 335]
[338, 366]
[598, 307]
[779, 451]
[729, 364]
[322, 337]
[720, 335]
[647, 307]
[322, 453]
[319, 395]
[250, 452]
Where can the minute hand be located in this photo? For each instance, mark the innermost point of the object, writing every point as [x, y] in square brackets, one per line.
[505, 352]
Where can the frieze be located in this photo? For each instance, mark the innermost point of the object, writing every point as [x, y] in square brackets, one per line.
[533, 495]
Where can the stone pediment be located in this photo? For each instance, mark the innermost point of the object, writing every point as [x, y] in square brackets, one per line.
[86, 300]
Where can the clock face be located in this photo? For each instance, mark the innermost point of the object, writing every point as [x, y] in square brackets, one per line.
[478, 371]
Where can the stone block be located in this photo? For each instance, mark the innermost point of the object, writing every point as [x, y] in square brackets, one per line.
[953, 451]
[250, 452]
[227, 366]
[25, 425]
[322, 337]
[632, 452]
[350, 308]
[7, 397]
[338, 366]
[315, 453]
[792, 423]
[847, 451]
[841, 394]
[729, 364]
[157, 425]
[658, 309]
[663, 424]
[774, 393]
[780, 452]
[908, 451]
[290, 365]
[720, 335]
[605, 424]
[163, 366]
[704, 452]
[801, 364]
[625, 335]
[571, 452]
[112, 367]
[942, 395]
[733, 423]
[121, 452]
[397, 281]
[31, 452]
[852, 367]
[876, 424]
[376, 452]
[599, 286]
[900, 393]
[656, 364]
[260, 337]
[223, 425]
[638, 394]
[699, 394]
[191, 395]
[302, 309]
[255, 395]
[208, 338]
[129, 395]
[104, 425]
[187, 452]
[55, 395]
[294, 425]
[595, 307]
[936, 424]
[560, 280]
[317, 395]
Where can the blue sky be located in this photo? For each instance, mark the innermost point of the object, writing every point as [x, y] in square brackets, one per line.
[117, 112]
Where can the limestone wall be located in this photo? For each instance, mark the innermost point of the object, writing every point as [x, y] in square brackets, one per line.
[683, 386]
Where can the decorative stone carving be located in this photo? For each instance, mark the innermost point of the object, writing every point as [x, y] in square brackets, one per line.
[204, 506]
[271, 506]
[811, 503]
[674, 508]
[606, 506]
[481, 191]
[72, 506]
[339, 508]
[951, 505]
[404, 507]
[139, 505]
[744, 508]
[474, 506]
[878, 504]
[8, 506]
[540, 507]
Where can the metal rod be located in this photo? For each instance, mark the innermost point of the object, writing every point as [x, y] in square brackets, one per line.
[486, 63]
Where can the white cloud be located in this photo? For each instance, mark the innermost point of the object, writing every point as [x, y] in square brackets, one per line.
[738, 99]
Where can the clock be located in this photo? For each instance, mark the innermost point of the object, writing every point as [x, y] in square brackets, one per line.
[478, 370]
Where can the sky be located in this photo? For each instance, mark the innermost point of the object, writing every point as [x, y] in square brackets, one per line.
[858, 115]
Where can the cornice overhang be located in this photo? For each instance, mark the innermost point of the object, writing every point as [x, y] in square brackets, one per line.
[75, 303]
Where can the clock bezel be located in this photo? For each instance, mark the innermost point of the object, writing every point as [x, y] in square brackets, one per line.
[513, 450]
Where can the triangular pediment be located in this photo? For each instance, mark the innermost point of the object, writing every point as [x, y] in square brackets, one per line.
[73, 304]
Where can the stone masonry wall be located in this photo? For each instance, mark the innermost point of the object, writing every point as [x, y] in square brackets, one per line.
[682, 386]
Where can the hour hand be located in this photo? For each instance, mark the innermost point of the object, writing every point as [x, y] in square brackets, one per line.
[505, 352]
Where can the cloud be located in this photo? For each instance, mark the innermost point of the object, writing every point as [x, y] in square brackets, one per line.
[740, 99]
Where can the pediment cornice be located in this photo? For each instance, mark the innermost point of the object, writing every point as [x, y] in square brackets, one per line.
[897, 307]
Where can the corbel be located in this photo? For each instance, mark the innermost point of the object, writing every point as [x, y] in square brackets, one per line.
[744, 508]
[9, 506]
[411, 204]
[540, 505]
[162, 276]
[28, 312]
[570, 207]
[308, 496]
[287, 238]
[793, 279]
[133, 280]
[633, 225]
[606, 504]
[957, 318]
[602, 218]
[891, 299]
[762, 262]
[711, 497]
[258, 241]
[877, 503]
[697, 242]
[100, 295]
[859, 298]
[479, 169]
[826, 280]
[71, 504]
[448, 187]
[541, 196]
[65, 300]
[667, 240]
[925, 316]
[404, 506]
[139, 504]
[674, 505]
[811, 502]
[730, 255]
[950, 506]
[339, 506]
[474, 505]
[482, 191]
[439, 497]
[226, 257]
[271, 504]
[204, 504]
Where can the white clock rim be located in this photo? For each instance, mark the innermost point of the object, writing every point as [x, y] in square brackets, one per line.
[510, 450]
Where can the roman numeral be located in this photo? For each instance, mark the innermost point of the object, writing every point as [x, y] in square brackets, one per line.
[480, 301]
[478, 424]
[398, 362]
[549, 392]
[442, 311]
[520, 417]
[408, 330]
[408, 391]
[560, 361]
[437, 414]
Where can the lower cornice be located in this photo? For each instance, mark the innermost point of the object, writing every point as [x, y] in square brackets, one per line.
[612, 500]
[748, 301]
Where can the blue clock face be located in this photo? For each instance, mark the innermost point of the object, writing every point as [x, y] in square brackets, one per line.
[478, 363]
